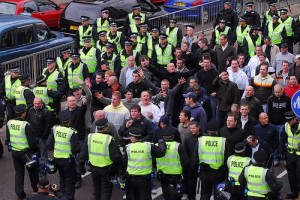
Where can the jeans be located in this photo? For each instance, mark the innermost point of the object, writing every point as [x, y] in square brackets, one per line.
[279, 128]
[220, 117]
[265, 108]
[213, 102]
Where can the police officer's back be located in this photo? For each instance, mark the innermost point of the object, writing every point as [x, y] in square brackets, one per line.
[260, 181]
[23, 93]
[138, 164]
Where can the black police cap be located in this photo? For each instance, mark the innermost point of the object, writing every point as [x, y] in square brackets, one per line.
[168, 132]
[66, 50]
[134, 34]
[128, 42]
[104, 62]
[102, 33]
[239, 147]
[50, 60]
[137, 17]
[143, 24]
[135, 132]
[24, 77]
[64, 116]
[136, 7]
[75, 55]
[155, 29]
[212, 125]
[275, 16]
[163, 36]
[242, 18]
[83, 18]
[105, 10]
[20, 108]
[173, 21]
[260, 156]
[40, 79]
[86, 38]
[14, 68]
[250, 3]
[289, 115]
[109, 45]
[113, 23]
[101, 123]
[283, 10]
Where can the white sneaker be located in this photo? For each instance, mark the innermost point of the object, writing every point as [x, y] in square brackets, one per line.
[124, 197]
[154, 191]
[185, 197]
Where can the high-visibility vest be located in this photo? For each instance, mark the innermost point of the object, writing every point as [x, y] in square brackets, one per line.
[150, 47]
[275, 34]
[133, 28]
[111, 62]
[62, 67]
[77, 72]
[88, 32]
[102, 27]
[20, 98]
[41, 92]
[139, 158]
[102, 48]
[131, 20]
[138, 47]
[164, 58]
[10, 89]
[142, 40]
[269, 17]
[218, 33]
[170, 163]
[251, 45]
[288, 26]
[172, 35]
[116, 40]
[236, 165]
[292, 140]
[17, 135]
[240, 36]
[62, 141]
[98, 148]
[124, 59]
[211, 151]
[89, 59]
[256, 181]
[52, 78]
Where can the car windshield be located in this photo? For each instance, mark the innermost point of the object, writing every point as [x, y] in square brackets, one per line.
[7, 8]
[74, 11]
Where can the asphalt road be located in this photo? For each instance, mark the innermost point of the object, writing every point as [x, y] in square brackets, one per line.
[86, 191]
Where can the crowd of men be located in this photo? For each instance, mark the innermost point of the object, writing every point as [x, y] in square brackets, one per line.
[136, 103]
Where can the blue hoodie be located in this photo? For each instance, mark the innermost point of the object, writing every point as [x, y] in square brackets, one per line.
[198, 114]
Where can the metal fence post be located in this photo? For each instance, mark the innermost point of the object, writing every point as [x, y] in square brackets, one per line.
[34, 59]
[202, 15]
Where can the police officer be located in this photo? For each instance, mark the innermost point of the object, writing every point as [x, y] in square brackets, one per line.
[56, 86]
[276, 31]
[291, 137]
[290, 27]
[84, 30]
[163, 52]
[230, 16]
[136, 10]
[23, 93]
[170, 166]
[134, 28]
[143, 33]
[242, 31]
[90, 55]
[100, 44]
[76, 69]
[261, 182]
[8, 88]
[137, 46]
[252, 16]
[63, 60]
[269, 14]
[102, 23]
[63, 141]
[46, 191]
[109, 55]
[219, 30]
[152, 40]
[122, 58]
[116, 37]
[138, 163]
[101, 151]
[251, 41]
[210, 155]
[174, 33]
[41, 91]
[22, 143]
[236, 164]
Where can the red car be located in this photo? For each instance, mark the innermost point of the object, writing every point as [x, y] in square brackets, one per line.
[46, 10]
[157, 1]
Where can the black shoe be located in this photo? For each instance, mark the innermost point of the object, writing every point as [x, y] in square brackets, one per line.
[291, 195]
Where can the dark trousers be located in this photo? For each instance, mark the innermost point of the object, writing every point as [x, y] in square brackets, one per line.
[138, 188]
[67, 174]
[10, 110]
[1, 149]
[168, 186]
[19, 159]
[237, 193]
[257, 198]
[293, 169]
[290, 42]
[102, 187]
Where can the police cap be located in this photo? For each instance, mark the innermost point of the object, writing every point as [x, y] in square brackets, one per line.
[105, 10]
[227, 2]
[138, 6]
[168, 133]
[104, 62]
[102, 33]
[66, 50]
[50, 60]
[222, 20]
[163, 36]
[75, 55]
[283, 11]
[83, 18]
[20, 108]
[289, 115]
[255, 27]
[260, 156]
[212, 126]
[41, 79]
[87, 38]
[137, 17]
[242, 18]
[275, 16]
[101, 123]
[173, 21]
[239, 147]
[113, 23]
[155, 29]
[250, 3]
[14, 68]
[272, 3]
[24, 77]
[133, 35]
[135, 132]
[43, 183]
[143, 25]
[64, 116]
[109, 45]
[128, 43]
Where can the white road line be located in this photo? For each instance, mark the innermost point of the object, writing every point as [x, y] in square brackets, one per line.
[86, 174]
[282, 174]
[159, 192]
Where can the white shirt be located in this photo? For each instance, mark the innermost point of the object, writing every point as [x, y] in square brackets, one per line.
[253, 63]
[244, 121]
[254, 149]
[239, 77]
[224, 47]
[151, 108]
[128, 76]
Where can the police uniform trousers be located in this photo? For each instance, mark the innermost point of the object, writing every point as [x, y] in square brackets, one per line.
[209, 179]
[290, 42]
[190, 183]
[43, 196]
[19, 159]
[293, 169]
[168, 186]
[10, 105]
[237, 193]
[67, 174]
[138, 187]
[102, 187]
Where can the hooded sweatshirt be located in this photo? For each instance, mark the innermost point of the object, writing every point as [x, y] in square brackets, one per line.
[198, 114]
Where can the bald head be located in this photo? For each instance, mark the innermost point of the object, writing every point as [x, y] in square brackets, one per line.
[99, 114]
[278, 90]
[249, 91]
[263, 118]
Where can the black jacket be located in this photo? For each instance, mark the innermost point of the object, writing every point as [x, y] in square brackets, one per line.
[277, 106]
[40, 121]
[248, 126]
[233, 136]
[254, 105]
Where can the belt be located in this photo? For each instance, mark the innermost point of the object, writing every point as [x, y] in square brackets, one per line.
[290, 150]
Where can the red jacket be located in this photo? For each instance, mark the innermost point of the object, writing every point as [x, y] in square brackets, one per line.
[291, 90]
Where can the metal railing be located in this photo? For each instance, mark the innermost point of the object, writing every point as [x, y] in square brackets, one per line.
[34, 63]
